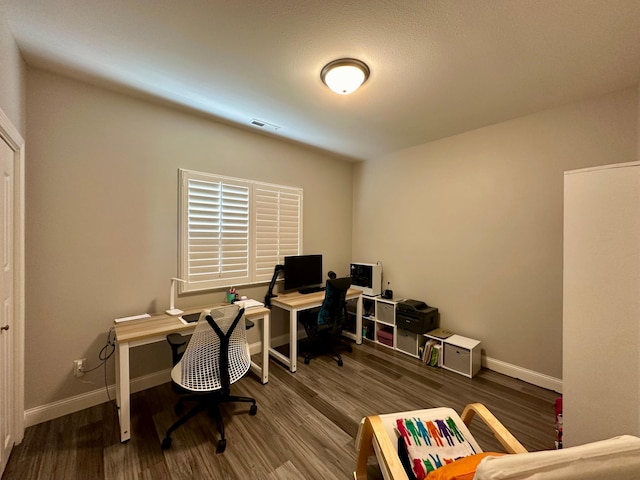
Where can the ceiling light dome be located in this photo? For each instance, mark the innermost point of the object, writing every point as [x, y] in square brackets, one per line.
[344, 76]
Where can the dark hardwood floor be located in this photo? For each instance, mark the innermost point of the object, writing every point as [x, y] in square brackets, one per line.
[304, 429]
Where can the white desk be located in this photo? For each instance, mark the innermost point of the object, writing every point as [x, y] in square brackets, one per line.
[296, 302]
[135, 333]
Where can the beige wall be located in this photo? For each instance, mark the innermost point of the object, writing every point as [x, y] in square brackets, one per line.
[102, 218]
[472, 224]
[12, 78]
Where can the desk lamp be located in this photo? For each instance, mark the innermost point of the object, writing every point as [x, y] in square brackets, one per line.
[172, 308]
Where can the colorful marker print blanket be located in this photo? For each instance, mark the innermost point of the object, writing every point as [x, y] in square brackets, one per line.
[431, 438]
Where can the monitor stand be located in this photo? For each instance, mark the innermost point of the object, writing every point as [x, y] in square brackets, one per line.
[307, 290]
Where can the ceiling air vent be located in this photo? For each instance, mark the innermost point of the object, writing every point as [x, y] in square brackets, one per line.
[264, 125]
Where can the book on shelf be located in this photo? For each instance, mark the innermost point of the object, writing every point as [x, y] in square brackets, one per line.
[428, 348]
[435, 355]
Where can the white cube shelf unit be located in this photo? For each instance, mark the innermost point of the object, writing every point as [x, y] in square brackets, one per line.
[379, 325]
[379, 320]
[461, 355]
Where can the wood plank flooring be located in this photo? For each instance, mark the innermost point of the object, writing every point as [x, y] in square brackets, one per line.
[304, 429]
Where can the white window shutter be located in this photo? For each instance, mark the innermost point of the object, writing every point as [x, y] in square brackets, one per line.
[278, 221]
[215, 246]
[233, 231]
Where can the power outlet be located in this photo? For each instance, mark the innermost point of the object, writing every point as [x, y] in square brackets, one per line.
[78, 367]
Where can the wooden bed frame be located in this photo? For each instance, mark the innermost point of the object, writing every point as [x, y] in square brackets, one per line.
[374, 440]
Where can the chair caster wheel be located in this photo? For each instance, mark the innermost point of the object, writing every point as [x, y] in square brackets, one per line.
[253, 410]
[340, 362]
[166, 443]
[306, 361]
[349, 349]
[222, 444]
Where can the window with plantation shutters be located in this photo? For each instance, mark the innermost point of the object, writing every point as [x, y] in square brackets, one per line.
[278, 211]
[234, 231]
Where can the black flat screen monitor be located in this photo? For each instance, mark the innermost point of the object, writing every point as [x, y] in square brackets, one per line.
[302, 272]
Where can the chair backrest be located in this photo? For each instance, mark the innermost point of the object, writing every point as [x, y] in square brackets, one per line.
[333, 306]
[217, 354]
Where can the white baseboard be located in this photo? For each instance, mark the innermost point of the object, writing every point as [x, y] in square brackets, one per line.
[281, 340]
[69, 405]
[529, 376]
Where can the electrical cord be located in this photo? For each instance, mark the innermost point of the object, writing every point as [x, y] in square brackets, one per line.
[105, 354]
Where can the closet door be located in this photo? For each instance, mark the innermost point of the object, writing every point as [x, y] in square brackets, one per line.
[7, 353]
[11, 288]
[601, 308]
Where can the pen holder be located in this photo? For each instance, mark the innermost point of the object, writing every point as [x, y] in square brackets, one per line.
[231, 297]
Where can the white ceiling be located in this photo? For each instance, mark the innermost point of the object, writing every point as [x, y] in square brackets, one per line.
[438, 67]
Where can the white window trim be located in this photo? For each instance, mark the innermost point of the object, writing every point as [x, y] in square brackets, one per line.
[287, 208]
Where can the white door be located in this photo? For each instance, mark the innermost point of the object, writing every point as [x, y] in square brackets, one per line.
[7, 354]
[601, 305]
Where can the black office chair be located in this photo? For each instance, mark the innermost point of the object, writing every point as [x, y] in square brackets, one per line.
[324, 327]
[216, 356]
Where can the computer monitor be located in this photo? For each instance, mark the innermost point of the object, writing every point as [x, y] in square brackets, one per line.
[302, 273]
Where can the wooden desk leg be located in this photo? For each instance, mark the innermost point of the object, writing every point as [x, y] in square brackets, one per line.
[266, 346]
[123, 390]
[293, 340]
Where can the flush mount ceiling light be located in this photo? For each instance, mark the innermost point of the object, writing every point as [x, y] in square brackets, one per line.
[344, 76]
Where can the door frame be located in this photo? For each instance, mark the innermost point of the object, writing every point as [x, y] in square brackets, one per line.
[15, 141]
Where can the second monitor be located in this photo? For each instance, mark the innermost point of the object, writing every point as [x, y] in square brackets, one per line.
[303, 273]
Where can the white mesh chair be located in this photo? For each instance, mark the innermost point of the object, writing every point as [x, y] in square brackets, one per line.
[216, 356]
